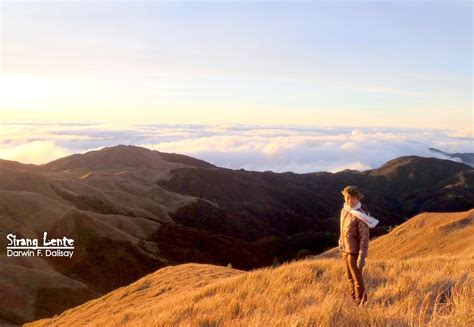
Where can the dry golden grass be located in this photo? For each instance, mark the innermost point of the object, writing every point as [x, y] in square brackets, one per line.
[425, 234]
[85, 175]
[429, 290]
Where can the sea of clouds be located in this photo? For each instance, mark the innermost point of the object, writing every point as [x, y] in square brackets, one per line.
[298, 149]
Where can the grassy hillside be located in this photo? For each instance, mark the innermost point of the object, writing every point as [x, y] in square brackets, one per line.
[425, 234]
[432, 287]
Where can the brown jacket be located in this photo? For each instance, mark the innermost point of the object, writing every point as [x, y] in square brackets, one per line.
[354, 237]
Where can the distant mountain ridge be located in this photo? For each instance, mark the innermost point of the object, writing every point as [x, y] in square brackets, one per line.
[123, 156]
[467, 158]
[134, 210]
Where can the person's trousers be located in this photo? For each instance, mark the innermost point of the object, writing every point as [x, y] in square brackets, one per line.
[354, 277]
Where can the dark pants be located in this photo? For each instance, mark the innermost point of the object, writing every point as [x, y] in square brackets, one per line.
[355, 279]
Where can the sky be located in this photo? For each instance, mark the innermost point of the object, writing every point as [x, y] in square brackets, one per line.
[318, 63]
[260, 85]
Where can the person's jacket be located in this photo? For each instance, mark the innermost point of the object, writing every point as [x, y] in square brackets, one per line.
[354, 237]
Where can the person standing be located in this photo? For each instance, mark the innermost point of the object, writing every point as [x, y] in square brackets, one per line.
[354, 241]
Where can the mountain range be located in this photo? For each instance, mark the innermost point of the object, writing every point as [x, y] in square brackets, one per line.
[132, 211]
[467, 158]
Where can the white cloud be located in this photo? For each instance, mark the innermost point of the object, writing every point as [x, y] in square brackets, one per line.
[35, 152]
[352, 165]
[278, 148]
[463, 133]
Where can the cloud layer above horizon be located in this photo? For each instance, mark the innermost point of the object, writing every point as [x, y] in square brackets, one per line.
[299, 149]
